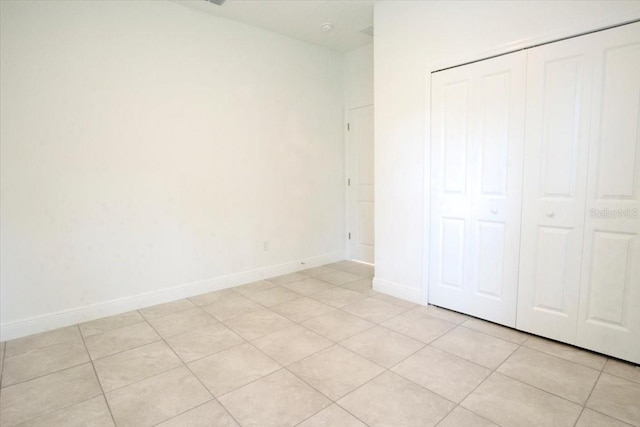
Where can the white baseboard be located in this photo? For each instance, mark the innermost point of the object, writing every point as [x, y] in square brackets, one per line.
[398, 291]
[86, 313]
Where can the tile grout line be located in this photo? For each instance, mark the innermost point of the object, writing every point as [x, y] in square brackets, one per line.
[185, 365]
[104, 395]
[460, 325]
[588, 397]
[286, 368]
[73, 404]
[338, 343]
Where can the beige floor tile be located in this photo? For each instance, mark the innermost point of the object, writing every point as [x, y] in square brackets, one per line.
[40, 396]
[475, 346]
[339, 278]
[232, 307]
[211, 414]
[591, 418]
[623, 369]
[230, 369]
[291, 344]
[332, 416]
[134, 365]
[374, 310]
[443, 373]
[42, 340]
[567, 352]
[382, 346]
[253, 287]
[174, 324]
[441, 313]
[335, 371]
[126, 338]
[167, 308]
[110, 323]
[362, 285]
[460, 417]
[287, 278]
[391, 400]
[339, 297]
[277, 400]
[203, 342]
[302, 309]
[90, 413]
[337, 325]
[363, 270]
[258, 323]
[420, 327]
[309, 286]
[212, 297]
[508, 402]
[566, 379]
[498, 331]
[36, 363]
[617, 397]
[397, 301]
[274, 296]
[318, 271]
[157, 399]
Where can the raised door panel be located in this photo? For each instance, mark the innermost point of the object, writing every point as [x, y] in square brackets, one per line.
[610, 290]
[559, 79]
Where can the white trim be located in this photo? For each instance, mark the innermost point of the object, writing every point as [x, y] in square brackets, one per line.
[613, 20]
[86, 313]
[427, 191]
[345, 230]
[399, 291]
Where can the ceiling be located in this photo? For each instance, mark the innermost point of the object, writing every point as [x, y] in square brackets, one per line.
[301, 19]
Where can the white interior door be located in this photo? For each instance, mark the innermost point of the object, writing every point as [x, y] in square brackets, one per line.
[360, 184]
[610, 289]
[554, 186]
[477, 134]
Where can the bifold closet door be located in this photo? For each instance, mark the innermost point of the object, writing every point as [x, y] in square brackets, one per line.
[559, 77]
[609, 316]
[477, 126]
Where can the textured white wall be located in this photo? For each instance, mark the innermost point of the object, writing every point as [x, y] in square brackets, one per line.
[358, 70]
[146, 146]
[412, 36]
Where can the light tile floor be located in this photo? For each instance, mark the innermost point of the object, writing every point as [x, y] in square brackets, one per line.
[313, 348]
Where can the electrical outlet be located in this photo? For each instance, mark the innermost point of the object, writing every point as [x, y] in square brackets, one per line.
[265, 245]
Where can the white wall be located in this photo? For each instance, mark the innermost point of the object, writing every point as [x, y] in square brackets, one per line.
[148, 150]
[410, 38]
[358, 72]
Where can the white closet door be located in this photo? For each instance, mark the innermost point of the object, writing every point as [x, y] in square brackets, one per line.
[610, 291]
[554, 186]
[477, 133]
